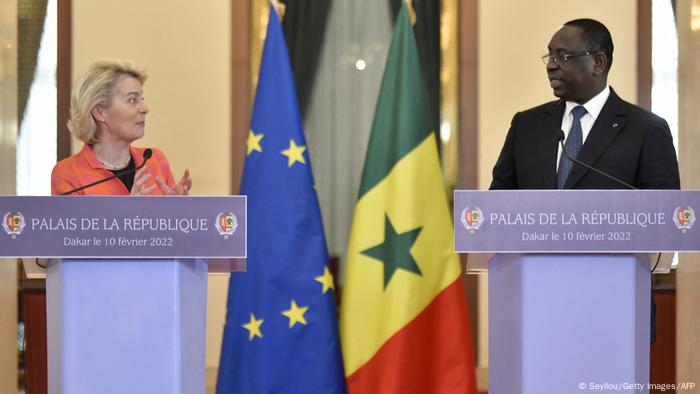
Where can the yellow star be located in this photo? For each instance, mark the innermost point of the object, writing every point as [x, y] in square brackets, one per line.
[254, 142]
[294, 153]
[253, 327]
[326, 280]
[296, 314]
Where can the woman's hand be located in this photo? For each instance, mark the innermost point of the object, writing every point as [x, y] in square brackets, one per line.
[139, 187]
[181, 189]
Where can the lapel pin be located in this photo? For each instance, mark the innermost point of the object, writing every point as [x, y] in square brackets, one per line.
[614, 124]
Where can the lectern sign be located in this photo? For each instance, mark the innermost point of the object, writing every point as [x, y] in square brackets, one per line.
[576, 221]
[123, 227]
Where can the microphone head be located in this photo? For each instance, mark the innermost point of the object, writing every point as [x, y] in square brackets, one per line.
[148, 153]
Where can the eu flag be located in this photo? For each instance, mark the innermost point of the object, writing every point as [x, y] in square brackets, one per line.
[281, 333]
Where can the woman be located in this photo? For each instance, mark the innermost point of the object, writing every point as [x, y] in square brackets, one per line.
[108, 114]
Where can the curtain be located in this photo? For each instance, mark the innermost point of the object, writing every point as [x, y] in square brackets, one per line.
[341, 109]
[304, 26]
[30, 27]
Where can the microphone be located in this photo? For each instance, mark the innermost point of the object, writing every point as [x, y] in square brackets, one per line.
[146, 155]
[560, 138]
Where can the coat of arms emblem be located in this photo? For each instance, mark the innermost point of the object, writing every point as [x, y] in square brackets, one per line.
[226, 224]
[13, 223]
[684, 218]
[472, 218]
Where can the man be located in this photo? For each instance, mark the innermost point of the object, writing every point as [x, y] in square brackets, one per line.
[600, 129]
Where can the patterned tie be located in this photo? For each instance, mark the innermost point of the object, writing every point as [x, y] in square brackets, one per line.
[572, 146]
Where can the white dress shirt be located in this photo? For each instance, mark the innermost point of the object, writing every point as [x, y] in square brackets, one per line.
[593, 108]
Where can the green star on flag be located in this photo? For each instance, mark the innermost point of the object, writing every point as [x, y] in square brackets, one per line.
[395, 252]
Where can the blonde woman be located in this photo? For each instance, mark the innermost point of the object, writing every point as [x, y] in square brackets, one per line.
[108, 114]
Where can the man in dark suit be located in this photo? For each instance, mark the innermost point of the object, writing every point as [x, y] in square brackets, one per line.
[600, 128]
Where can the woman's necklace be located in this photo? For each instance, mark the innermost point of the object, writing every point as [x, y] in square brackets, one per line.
[115, 167]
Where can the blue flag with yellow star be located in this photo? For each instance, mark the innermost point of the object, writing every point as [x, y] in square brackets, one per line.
[281, 332]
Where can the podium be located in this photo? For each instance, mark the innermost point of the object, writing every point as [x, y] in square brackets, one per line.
[564, 323]
[126, 304]
[126, 326]
[569, 276]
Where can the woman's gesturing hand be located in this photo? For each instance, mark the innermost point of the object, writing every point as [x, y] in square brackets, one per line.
[140, 179]
[181, 189]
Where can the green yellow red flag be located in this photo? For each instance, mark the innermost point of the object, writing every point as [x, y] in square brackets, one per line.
[404, 325]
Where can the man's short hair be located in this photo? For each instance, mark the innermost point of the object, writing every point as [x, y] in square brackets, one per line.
[597, 36]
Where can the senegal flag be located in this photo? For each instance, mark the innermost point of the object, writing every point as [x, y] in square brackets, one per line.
[404, 325]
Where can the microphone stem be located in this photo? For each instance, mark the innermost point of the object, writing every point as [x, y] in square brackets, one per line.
[146, 156]
[620, 181]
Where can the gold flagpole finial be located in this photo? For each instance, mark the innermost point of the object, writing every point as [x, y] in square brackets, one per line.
[279, 7]
[411, 12]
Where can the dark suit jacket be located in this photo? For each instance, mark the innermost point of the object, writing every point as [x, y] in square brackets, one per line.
[626, 141]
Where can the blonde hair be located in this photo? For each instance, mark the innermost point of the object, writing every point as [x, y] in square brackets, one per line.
[96, 87]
